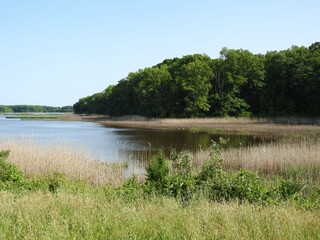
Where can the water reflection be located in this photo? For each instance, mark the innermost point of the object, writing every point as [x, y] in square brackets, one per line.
[143, 143]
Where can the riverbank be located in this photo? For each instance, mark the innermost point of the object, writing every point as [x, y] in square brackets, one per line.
[215, 125]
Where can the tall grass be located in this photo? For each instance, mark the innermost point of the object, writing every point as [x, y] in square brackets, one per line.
[103, 216]
[215, 120]
[36, 159]
[299, 160]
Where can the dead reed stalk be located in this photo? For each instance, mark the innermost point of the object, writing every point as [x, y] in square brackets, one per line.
[40, 160]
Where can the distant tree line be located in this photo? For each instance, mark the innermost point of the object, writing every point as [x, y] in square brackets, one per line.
[238, 83]
[33, 108]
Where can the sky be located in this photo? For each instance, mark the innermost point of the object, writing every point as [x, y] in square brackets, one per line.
[55, 52]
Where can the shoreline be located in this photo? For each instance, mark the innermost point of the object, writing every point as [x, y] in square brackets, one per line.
[212, 125]
[218, 125]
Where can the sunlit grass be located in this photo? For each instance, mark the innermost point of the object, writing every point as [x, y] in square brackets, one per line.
[104, 216]
[35, 159]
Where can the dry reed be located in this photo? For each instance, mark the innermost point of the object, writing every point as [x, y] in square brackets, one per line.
[277, 158]
[36, 159]
[300, 160]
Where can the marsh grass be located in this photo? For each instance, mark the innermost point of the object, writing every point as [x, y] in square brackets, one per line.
[300, 160]
[36, 159]
[231, 120]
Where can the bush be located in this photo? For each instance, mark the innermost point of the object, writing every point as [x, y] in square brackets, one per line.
[9, 173]
[157, 173]
[181, 180]
[248, 186]
[287, 189]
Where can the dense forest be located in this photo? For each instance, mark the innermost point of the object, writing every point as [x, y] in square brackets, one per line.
[238, 83]
[33, 108]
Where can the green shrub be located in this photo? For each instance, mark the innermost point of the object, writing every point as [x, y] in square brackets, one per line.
[9, 172]
[287, 188]
[157, 173]
[55, 182]
[4, 154]
[248, 186]
[181, 180]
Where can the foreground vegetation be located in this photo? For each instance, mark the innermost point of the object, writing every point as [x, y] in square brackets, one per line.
[50, 192]
[103, 215]
[239, 83]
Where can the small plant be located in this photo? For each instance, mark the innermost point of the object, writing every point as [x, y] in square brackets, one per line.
[287, 188]
[182, 181]
[4, 154]
[213, 167]
[157, 173]
[9, 172]
[55, 183]
[248, 186]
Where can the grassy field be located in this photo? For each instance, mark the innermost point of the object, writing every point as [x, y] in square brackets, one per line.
[63, 194]
[98, 214]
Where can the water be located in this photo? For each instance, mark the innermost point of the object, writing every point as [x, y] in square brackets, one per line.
[114, 144]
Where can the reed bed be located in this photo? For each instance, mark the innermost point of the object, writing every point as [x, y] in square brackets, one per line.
[298, 160]
[36, 159]
[214, 120]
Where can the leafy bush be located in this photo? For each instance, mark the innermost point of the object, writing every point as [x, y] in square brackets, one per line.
[248, 186]
[181, 180]
[287, 188]
[157, 173]
[55, 182]
[9, 173]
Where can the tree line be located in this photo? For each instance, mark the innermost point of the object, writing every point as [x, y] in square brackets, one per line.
[33, 108]
[238, 83]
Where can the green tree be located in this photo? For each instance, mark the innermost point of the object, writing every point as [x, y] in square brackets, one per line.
[193, 83]
[226, 81]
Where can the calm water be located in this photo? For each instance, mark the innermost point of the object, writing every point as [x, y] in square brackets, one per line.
[113, 144]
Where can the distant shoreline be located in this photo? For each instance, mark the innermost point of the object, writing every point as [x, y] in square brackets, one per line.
[226, 125]
[217, 125]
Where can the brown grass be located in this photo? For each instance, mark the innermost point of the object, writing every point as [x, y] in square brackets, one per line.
[274, 157]
[224, 125]
[299, 160]
[41, 160]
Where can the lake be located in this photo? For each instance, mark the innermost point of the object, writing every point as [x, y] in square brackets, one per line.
[112, 144]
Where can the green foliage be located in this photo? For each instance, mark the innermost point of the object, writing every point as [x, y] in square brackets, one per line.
[9, 173]
[55, 182]
[218, 184]
[287, 188]
[239, 83]
[181, 181]
[34, 108]
[248, 186]
[157, 173]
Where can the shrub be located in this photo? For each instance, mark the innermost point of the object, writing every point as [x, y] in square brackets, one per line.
[248, 186]
[287, 188]
[9, 173]
[181, 180]
[157, 173]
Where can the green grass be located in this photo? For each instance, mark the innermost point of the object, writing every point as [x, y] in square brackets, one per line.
[101, 214]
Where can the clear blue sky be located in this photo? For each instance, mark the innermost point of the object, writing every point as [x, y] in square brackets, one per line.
[55, 52]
